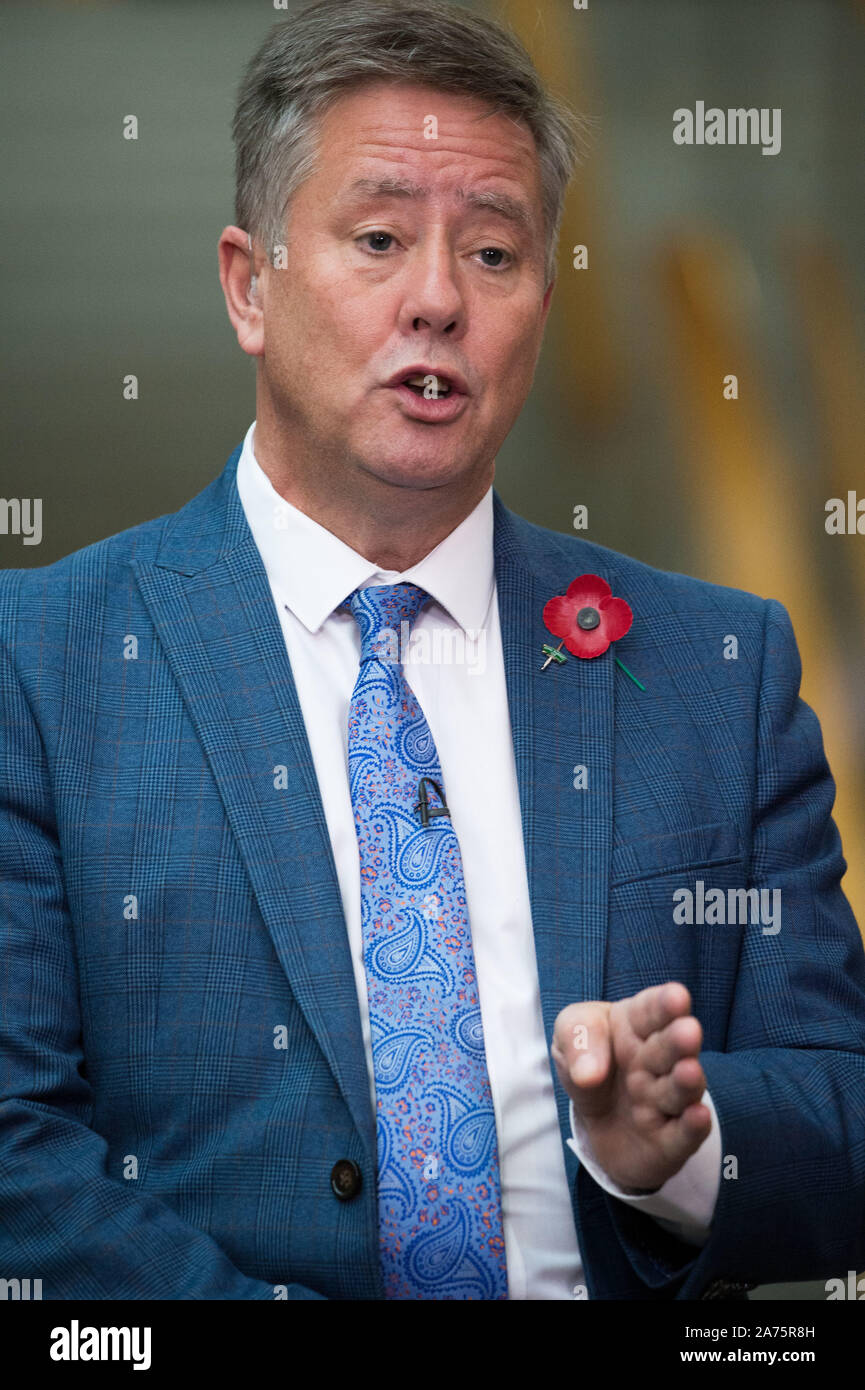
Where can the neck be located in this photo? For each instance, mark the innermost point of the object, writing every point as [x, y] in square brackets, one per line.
[393, 526]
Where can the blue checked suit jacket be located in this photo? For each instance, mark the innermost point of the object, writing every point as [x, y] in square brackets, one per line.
[167, 914]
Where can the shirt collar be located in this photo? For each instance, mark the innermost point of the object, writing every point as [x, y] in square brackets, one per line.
[313, 570]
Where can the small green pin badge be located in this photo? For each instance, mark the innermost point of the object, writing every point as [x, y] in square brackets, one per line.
[552, 654]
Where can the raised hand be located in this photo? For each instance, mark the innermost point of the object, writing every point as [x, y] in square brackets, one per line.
[632, 1071]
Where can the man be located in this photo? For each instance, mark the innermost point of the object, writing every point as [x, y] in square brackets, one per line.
[346, 948]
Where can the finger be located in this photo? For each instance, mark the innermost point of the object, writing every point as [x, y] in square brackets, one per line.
[581, 1041]
[655, 1007]
[583, 1055]
[685, 1084]
[662, 1050]
[669, 1094]
[682, 1136]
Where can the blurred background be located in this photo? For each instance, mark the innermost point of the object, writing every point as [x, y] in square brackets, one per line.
[703, 262]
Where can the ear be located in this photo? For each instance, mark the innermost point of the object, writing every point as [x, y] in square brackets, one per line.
[242, 288]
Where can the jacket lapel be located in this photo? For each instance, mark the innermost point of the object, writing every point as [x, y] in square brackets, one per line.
[561, 718]
[210, 601]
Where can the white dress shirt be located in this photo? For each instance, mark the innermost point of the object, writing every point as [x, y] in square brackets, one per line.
[310, 572]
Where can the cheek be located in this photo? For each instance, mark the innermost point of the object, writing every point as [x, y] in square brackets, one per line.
[300, 345]
[511, 342]
[513, 366]
[341, 329]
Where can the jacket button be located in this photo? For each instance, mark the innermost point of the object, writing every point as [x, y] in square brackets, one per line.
[345, 1179]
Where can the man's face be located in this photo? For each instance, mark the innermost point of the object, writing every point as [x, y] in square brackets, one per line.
[379, 281]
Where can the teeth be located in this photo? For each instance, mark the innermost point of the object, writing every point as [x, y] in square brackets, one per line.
[439, 384]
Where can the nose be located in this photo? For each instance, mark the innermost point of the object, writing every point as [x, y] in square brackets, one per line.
[433, 299]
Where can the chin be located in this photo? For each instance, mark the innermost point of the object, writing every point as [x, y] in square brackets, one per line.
[419, 467]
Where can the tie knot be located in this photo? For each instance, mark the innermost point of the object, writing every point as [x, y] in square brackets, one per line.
[385, 614]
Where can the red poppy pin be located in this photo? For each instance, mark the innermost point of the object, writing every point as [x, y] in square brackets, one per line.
[587, 619]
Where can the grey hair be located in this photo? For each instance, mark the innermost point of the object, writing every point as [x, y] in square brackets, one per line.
[310, 60]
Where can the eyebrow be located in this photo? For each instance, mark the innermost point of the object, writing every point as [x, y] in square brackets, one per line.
[502, 203]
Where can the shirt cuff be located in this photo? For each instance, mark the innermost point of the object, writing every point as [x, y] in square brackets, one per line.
[685, 1204]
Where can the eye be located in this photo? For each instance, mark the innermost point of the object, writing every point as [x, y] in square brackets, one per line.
[494, 251]
[377, 236]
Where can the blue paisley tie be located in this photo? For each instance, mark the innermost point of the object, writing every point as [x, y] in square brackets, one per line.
[439, 1199]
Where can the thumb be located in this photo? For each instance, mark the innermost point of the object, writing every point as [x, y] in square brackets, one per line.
[582, 1053]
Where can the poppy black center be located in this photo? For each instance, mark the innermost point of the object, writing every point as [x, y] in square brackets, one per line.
[588, 618]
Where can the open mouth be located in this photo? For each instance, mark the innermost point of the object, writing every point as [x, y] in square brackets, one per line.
[434, 387]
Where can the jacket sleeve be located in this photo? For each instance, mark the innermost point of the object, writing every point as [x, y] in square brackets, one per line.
[789, 1087]
[62, 1218]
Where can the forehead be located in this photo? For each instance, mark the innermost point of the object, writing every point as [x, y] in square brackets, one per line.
[420, 134]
